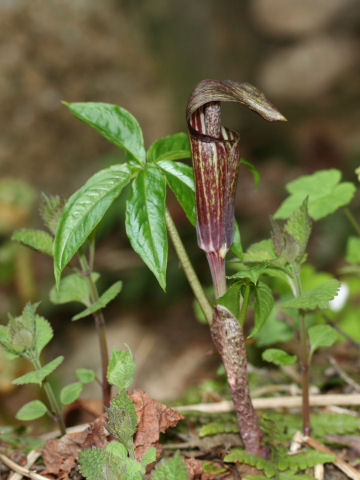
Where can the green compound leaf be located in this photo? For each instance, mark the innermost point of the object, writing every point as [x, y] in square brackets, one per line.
[39, 375]
[114, 123]
[70, 393]
[122, 419]
[325, 194]
[180, 178]
[85, 375]
[91, 463]
[318, 297]
[263, 306]
[73, 288]
[173, 147]
[303, 460]
[149, 456]
[322, 336]
[105, 298]
[260, 252]
[36, 239]
[145, 221]
[31, 410]
[44, 333]
[253, 170]
[173, 469]
[214, 428]
[121, 369]
[353, 250]
[278, 356]
[240, 456]
[334, 424]
[84, 210]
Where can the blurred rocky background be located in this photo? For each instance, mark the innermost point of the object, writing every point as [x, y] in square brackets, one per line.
[147, 56]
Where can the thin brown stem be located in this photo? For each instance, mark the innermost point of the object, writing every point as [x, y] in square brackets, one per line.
[304, 356]
[100, 329]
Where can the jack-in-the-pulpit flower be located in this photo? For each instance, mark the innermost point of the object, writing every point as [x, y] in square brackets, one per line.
[216, 155]
[216, 159]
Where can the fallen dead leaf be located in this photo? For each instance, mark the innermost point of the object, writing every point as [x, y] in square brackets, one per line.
[153, 418]
[60, 455]
[195, 468]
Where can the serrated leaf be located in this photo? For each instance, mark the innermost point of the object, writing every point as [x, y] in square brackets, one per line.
[260, 251]
[173, 147]
[239, 455]
[173, 469]
[116, 448]
[85, 375]
[70, 393]
[252, 273]
[149, 456]
[44, 333]
[214, 428]
[84, 210]
[31, 410]
[299, 224]
[318, 297]
[50, 210]
[114, 123]
[278, 356]
[39, 375]
[122, 419]
[274, 330]
[304, 460]
[36, 239]
[322, 336]
[105, 298]
[180, 178]
[91, 463]
[121, 369]
[231, 299]
[253, 170]
[325, 194]
[264, 303]
[73, 288]
[145, 221]
[353, 250]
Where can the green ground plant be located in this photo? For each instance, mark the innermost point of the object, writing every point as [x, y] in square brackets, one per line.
[206, 193]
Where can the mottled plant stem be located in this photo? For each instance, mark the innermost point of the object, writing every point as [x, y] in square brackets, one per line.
[304, 357]
[188, 268]
[55, 408]
[100, 329]
[228, 337]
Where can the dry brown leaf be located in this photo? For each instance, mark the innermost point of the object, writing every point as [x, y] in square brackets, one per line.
[60, 455]
[153, 418]
[195, 468]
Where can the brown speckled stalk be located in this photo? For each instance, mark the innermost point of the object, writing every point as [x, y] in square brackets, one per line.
[228, 337]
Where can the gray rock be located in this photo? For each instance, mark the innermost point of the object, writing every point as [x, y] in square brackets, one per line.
[295, 17]
[307, 69]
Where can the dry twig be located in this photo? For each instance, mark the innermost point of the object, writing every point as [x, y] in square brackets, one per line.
[275, 402]
[344, 375]
[341, 464]
[23, 471]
